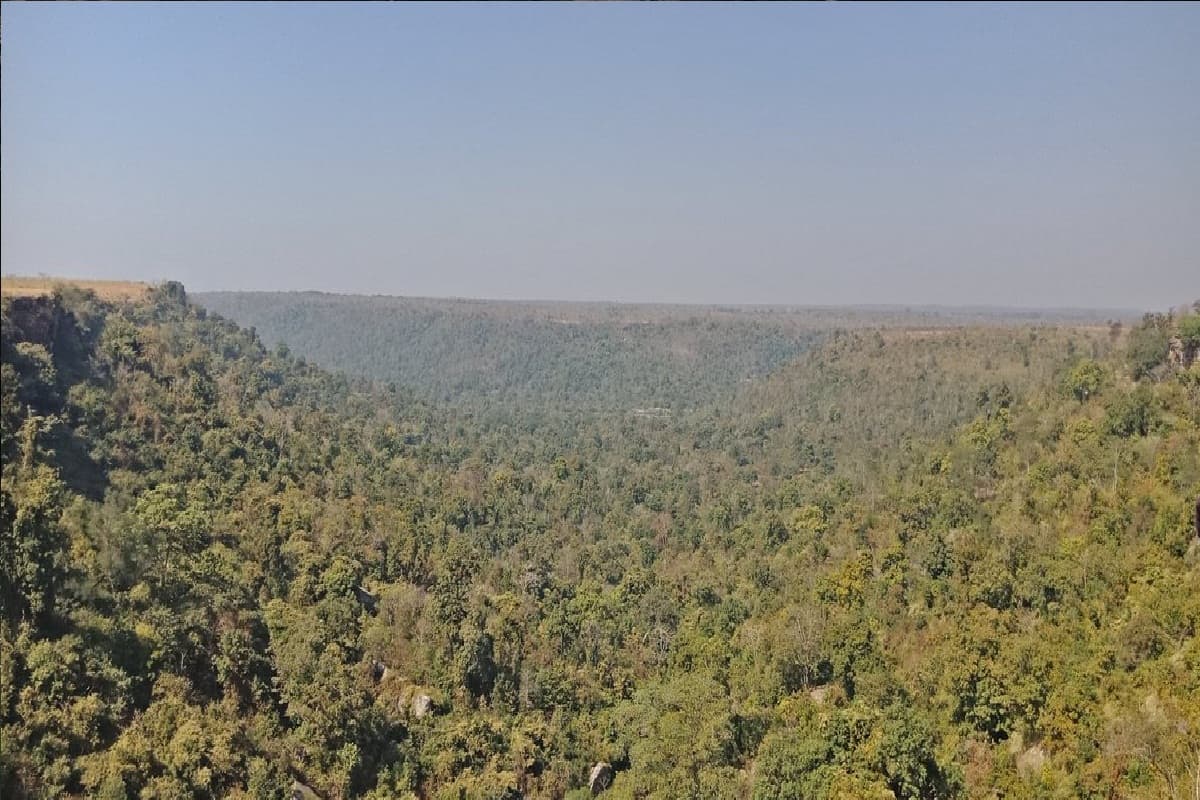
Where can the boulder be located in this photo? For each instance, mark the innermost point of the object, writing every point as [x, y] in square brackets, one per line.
[422, 705]
[601, 777]
[302, 792]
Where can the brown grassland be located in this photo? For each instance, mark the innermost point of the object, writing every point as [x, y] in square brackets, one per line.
[14, 286]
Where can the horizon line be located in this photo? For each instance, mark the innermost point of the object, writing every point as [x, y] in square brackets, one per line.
[866, 306]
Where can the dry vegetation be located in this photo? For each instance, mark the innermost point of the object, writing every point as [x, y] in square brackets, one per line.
[12, 286]
[960, 567]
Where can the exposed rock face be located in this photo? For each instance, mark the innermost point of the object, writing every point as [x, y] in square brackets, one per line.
[39, 320]
[601, 777]
[1181, 354]
[302, 792]
[369, 601]
[422, 705]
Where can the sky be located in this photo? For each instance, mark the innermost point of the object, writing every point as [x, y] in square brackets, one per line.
[1020, 155]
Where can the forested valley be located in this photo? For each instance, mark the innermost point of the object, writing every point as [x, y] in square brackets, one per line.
[573, 358]
[736, 556]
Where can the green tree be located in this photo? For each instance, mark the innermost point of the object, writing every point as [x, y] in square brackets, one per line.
[1085, 379]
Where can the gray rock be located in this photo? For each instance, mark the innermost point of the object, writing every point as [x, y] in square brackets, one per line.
[422, 705]
[1181, 354]
[601, 777]
[302, 792]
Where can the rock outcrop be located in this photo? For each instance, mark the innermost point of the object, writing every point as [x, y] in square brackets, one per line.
[368, 600]
[601, 777]
[302, 792]
[1181, 354]
[422, 705]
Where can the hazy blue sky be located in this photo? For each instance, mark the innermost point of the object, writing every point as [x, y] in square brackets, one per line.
[822, 153]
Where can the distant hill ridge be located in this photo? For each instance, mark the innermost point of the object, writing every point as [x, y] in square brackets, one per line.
[866, 314]
[548, 354]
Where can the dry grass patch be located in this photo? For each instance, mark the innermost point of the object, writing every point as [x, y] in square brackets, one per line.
[13, 286]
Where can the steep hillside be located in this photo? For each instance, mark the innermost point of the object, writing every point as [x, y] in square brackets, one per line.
[549, 356]
[871, 400]
[545, 355]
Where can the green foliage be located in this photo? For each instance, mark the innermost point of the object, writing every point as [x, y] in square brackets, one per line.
[1085, 379]
[548, 356]
[1188, 330]
[561, 357]
[908, 563]
[1131, 414]
[1147, 346]
[32, 562]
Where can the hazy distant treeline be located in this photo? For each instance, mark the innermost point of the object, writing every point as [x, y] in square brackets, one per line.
[576, 355]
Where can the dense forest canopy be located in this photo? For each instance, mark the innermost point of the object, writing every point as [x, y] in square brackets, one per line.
[900, 562]
[569, 356]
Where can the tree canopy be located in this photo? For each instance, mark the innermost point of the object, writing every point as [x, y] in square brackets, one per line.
[898, 563]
